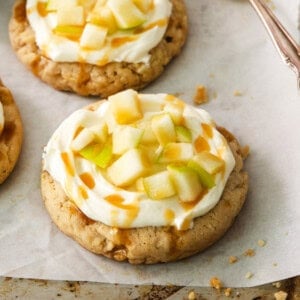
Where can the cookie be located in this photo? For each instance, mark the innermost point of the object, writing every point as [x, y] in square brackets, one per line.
[89, 79]
[129, 238]
[11, 134]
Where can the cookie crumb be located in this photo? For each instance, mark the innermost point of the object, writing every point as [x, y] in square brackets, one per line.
[212, 75]
[248, 275]
[261, 243]
[277, 284]
[274, 264]
[245, 151]
[232, 259]
[237, 93]
[281, 295]
[249, 252]
[201, 95]
[192, 295]
[216, 283]
[227, 292]
[238, 294]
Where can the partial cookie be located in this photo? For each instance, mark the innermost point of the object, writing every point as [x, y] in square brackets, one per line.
[141, 244]
[89, 79]
[11, 134]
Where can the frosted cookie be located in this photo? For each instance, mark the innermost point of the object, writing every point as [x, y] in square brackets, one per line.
[143, 178]
[98, 47]
[11, 133]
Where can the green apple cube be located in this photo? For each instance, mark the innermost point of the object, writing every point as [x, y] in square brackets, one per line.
[209, 162]
[68, 31]
[163, 128]
[101, 155]
[186, 182]
[144, 5]
[125, 107]
[100, 131]
[183, 134]
[53, 5]
[70, 16]
[175, 109]
[128, 168]
[126, 13]
[93, 36]
[206, 179]
[148, 137]
[159, 186]
[84, 138]
[176, 152]
[125, 138]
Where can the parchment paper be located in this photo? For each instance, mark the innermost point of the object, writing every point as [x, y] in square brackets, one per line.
[227, 50]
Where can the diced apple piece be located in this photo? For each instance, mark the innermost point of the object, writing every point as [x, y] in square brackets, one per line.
[128, 168]
[186, 182]
[93, 36]
[148, 137]
[176, 152]
[125, 138]
[144, 5]
[84, 138]
[175, 109]
[100, 131]
[125, 107]
[87, 4]
[139, 185]
[103, 16]
[126, 13]
[53, 5]
[152, 152]
[70, 32]
[71, 16]
[206, 179]
[159, 186]
[210, 162]
[163, 128]
[183, 134]
[101, 155]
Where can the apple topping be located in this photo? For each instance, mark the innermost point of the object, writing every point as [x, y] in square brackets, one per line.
[70, 16]
[128, 168]
[209, 162]
[54, 5]
[176, 152]
[144, 5]
[175, 109]
[101, 155]
[163, 128]
[125, 107]
[183, 134]
[186, 182]
[93, 36]
[127, 14]
[85, 137]
[159, 186]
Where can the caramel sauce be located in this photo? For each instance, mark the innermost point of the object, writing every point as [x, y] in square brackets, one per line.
[78, 130]
[201, 144]
[186, 224]
[72, 33]
[20, 12]
[191, 204]
[66, 160]
[169, 216]
[131, 210]
[88, 180]
[120, 41]
[159, 23]
[82, 192]
[103, 61]
[207, 129]
[41, 8]
[122, 237]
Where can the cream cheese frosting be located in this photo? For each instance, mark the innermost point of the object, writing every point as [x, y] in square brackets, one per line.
[1, 118]
[128, 205]
[97, 44]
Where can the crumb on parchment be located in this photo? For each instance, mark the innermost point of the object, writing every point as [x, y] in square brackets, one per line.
[249, 275]
[192, 295]
[201, 95]
[261, 243]
[232, 259]
[249, 252]
[281, 295]
[216, 283]
[245, 151]
[237, 93]
[277, 284]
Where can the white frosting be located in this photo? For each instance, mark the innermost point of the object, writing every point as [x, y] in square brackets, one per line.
[61, 49]
[137, 210]
[1, 118]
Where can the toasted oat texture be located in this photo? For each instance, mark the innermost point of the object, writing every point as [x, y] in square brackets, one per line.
[149, 245]
[11, 137]
[87, 79]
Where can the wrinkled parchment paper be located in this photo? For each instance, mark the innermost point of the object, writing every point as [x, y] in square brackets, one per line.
[228, 50]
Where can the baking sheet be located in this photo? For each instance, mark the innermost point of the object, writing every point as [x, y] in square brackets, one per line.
[228, 50]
